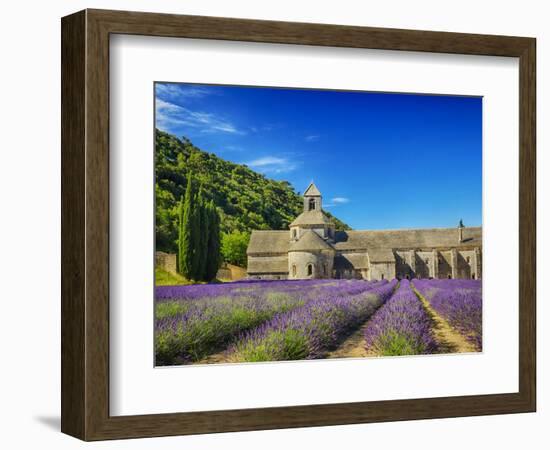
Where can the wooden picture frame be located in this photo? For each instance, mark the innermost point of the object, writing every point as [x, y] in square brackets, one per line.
[85, 224]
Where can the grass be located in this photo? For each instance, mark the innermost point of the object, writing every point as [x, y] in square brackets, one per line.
[165, 278]
[207, 330]
[395, 344]
[278, 345]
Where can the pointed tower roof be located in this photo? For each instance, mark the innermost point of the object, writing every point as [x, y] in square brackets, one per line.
[310, 241]
[314, 217]
[312, 190]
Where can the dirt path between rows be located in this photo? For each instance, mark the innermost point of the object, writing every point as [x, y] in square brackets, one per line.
[215, 358]
[353, 346]
[448, 339]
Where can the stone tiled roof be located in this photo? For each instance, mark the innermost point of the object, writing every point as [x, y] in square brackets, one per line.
[381, 255]
[312, 190]
[350, 261]
[370, 241]
[262, 241]
[313, 217]
[408, 238]
[273, 264]
[309, 241]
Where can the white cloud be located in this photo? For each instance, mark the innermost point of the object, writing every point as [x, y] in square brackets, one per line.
[339, 201]
[175, 90]
[272, 164]
[312, 138]
[171, 114]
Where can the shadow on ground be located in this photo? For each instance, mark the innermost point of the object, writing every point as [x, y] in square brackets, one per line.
[52, 422]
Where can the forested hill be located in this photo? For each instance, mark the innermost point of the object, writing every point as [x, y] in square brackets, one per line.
[245, 200]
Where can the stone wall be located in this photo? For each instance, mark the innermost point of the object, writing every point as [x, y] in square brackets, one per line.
[379, 271]
[321, 264]
[229, 272]
[268, 276]
[452, 263]
[409, 263]
[424, 264]
[445, 269]
[166, 261]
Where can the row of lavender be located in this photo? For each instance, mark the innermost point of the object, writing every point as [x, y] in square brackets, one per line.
[195, 321]
[459, 302]
[312, 330]
[400, 327]
[197, 291]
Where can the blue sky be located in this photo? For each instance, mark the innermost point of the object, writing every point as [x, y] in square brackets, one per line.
[381, 160]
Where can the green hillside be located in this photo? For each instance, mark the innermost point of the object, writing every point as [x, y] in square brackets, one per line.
[245, 200]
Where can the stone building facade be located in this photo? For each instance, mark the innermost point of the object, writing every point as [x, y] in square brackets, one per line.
[311, 248]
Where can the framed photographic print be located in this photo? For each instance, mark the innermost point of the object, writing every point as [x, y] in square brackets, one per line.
[268, 224]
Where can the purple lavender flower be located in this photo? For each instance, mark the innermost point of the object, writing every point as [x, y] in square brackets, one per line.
[310, 331]
[401, 326]
[195, 321]
[459, 302]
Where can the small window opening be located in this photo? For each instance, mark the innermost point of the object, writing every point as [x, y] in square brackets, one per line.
[449, 276]
[311, 204]
[309, 270]
[293, 271]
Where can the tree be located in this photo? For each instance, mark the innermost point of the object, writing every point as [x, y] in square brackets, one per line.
[245, 200]
[234, 247]
[198, 236]
[186, 235]
[213, 258]
[203, 237]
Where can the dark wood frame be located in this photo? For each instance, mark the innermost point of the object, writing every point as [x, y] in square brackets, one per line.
[85, 224]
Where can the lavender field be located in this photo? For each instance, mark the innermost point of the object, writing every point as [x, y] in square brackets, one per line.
[255, 321]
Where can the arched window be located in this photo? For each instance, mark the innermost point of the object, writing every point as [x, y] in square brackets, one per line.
[311, 204]
[294, 233]
[468, 259]
[294, 270]
[309, 270]
[449, 276]
[427, 261]
[473, 276]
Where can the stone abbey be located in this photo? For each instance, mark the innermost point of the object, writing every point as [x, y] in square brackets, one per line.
[313, 249]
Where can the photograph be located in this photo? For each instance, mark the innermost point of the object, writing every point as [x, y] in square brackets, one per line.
[299, 224]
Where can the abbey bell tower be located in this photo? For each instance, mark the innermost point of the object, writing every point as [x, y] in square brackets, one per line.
[312, 218]
[312, 198]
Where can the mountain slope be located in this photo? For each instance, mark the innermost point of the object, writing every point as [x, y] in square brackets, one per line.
[246, 200]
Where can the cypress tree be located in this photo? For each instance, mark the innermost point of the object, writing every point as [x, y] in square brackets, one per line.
[204, 232]
[186, 235]
[180, 235]
[196, 237]
[213, 259]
